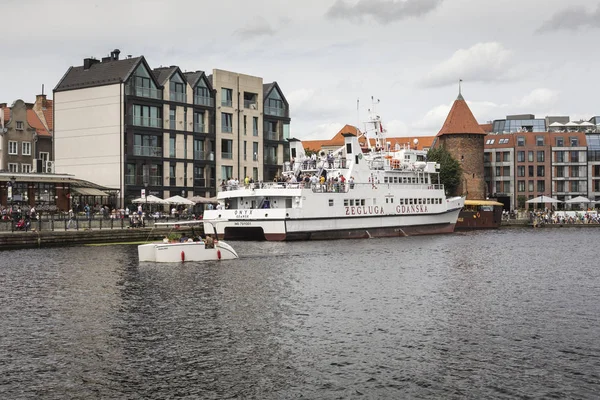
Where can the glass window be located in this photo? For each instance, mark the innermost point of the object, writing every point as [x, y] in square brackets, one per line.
[226, 122]
[172, 118]
[530, 156]
[499, 187]
[574, 186]
[506, 156]
[541, 186]
[575, 171]
[489, 141]
[498, 156]
[560, 172]
[574, 156]
[505, 171]
[226, 97]
[226, 172]
[227, 149]
[560, 141]
[539, 140]
[560, 186]
[487, 157]
[541, 156]
[530, 186]
[498, 173]
[13, 147]
[172, 151]
[574, 141]
[521, 170]
[560, 156]
[520, 140]
[254, 126]
[521, 156]
[540, 170]
[521, 186]
[530, 170]
[26, 149]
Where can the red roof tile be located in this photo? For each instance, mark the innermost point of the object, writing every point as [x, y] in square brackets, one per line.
[34, 121]
[48, 115]
[6, 114]
[460, 120]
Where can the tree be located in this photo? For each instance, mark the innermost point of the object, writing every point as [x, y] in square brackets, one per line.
[450, 170]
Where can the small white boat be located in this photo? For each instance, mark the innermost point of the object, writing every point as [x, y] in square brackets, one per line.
[186, 251]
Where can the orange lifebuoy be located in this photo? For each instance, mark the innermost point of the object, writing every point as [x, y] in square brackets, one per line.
[182, 256]
[478, 215]
[218, 254]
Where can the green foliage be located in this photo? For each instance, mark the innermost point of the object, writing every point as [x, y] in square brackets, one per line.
[310, 152]
[450, 170]
[521, 199]
[174, 237]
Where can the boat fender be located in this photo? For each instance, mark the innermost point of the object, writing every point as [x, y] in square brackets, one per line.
[182, 256]
[218, 254]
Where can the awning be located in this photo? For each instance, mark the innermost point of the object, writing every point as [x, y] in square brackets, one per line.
[89, 191]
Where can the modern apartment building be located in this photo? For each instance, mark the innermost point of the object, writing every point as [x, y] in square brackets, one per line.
[545, 163]
[126, 126]
[252, 126]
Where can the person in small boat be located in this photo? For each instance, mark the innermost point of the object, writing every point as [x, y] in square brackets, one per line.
[209, 243]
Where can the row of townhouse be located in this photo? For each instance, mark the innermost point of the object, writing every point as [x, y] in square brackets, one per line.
[126, 126]
[537, 157]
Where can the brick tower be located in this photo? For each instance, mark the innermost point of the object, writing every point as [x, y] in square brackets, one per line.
[462, 136]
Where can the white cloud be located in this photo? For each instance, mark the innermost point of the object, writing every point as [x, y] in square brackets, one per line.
[572, 18]
[432, 121]
[541, 98]
[259, 26]
[396, 128]
[482, 62]
[382, 11]
[320, 132]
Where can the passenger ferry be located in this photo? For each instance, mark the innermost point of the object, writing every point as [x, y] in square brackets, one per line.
[361, 190]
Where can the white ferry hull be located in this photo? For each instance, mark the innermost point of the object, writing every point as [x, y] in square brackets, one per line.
[336, 228]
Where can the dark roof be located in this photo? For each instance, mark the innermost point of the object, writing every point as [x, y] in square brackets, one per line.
[163, 74]
[268, 87]
[99, 74]
[193, 77]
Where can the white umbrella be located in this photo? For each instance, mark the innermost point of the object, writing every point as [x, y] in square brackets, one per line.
[579, 199]
[204, 200]
[543, 199]
[179, 200]
[586, 123]
[571, 123]
[150, 199]
[556, 124]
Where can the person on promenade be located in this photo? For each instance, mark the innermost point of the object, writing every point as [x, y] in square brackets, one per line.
[71, 219]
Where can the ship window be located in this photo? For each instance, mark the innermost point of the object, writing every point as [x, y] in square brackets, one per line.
[362, 202]
[346, 202]
[330, 202]
[392, 200]
[428, 201]
[385, 179]
[410, 201]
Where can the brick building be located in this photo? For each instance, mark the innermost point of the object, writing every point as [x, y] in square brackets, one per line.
[464, 139]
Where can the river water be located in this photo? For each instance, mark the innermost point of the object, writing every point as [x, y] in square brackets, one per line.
[513, 313]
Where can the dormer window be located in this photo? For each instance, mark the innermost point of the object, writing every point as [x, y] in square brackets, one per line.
[19, 125]
[177, 89]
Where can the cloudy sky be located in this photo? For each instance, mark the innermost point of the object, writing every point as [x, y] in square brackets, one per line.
[514, 56]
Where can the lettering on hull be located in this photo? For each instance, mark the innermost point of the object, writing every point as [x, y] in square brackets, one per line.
[376, 210]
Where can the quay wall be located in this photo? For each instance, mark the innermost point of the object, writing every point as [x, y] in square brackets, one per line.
[38, 239]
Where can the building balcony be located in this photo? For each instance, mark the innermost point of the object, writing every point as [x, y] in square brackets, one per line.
[226, 129]
[251, 104]
[204, 101]
[204, 155]
[177, 96]
[271, 160]
[200, 182]
[227, 156]
[277, 112]
[145, 121]
[144, 92]
[147, 151]
[200, 128]
[138, 180]
[271, 135]
[226, 103]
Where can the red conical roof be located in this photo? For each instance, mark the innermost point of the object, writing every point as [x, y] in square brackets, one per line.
[460, 120]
